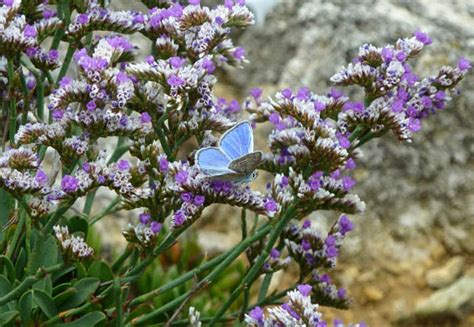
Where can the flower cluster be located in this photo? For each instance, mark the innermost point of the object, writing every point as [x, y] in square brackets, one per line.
[74, 247]
[297, 311]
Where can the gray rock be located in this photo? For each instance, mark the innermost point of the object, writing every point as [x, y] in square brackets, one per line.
[453, 301]
[410, 188]
[443, 276]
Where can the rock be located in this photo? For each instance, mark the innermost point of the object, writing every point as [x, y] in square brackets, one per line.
[373, 294]
[454, 301]
[445, 275]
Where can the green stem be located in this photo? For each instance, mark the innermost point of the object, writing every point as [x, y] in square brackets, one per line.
[118, 303]
[162, 137]
[40, 98]
[105, 212]
[16, 236]
[120, 260]
[264, 287]
[57, 215]
[26, 100]
[89, 202]
[12, 109]
[230, 257]
[178, 281]
[27, 283]
[66, 63]
[243, 219]
[257, 266]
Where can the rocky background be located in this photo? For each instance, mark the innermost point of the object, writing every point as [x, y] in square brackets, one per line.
[410, 260]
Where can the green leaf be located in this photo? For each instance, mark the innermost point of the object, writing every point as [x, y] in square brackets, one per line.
[6, 264]
[101, 270]
[7, 317]
[64, 296]
[20, 264]
[78, 224]
[44, 254]
[138, 311]
[44, 284]
[89, 320]
[6, 201]
[45, 302]
[85, 288]
[5, 286]
[61, 288]
[25, 305]
[61, 273]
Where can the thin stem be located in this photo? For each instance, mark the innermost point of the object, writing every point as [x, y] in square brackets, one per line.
[26, 100]
[89, 202]
[118, 303]
[16, 236]
[12, 109]
[120, 260]
[109, 209]
[243, 219]
[264, 286]
[231, 256]
[57, 215]
[257, 266]
[40, 97]
[66, 63]
[178, 281]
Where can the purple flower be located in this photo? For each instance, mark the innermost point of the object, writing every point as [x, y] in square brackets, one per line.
[91, 105]
[270, 205]
[401, 56]
[306, 224]
[47, 13]
[144, 218]
[53, 55]
[41, 178]
[290, 310]
[101, 179]
[57, 114]
[350, 164]
[304, 289]
[199, 200]
[181, 177]
[82, 19]
[335, 93]
[464, 64]
[208, 65]
[325, 278]
[65, 81]
[414, 124]
[163, 164]
[155, 227]
[69, 184]
[344, 141]
[187, 197]
[256, 92]
[330, 241]
[194, 2]
[239, 53]
[234, 106]
[86, 167]
[331, 252]
[387, 54]
[30, 31]
[138, 19]
[177, 62]
[397, 106]
[31, 84]
[286, 93]
[303, 94]
[348, 183]
[341, 293]
[123, 165]
[423, 37]
[174, 80]
[179, 218]
[145, 118]
[150, 60]
[345, 225]
[8, 3]
[319, 106]
[257, 314]
[305, 245]
[274, 253]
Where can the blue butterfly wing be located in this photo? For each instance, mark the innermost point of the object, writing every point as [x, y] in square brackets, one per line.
[212, 161]
[237, 141]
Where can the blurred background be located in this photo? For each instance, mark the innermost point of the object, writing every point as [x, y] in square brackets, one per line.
[410, 259]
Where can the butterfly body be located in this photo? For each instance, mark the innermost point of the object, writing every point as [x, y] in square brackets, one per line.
[233, 159]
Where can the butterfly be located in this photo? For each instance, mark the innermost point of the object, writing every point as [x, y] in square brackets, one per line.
[233, 159]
